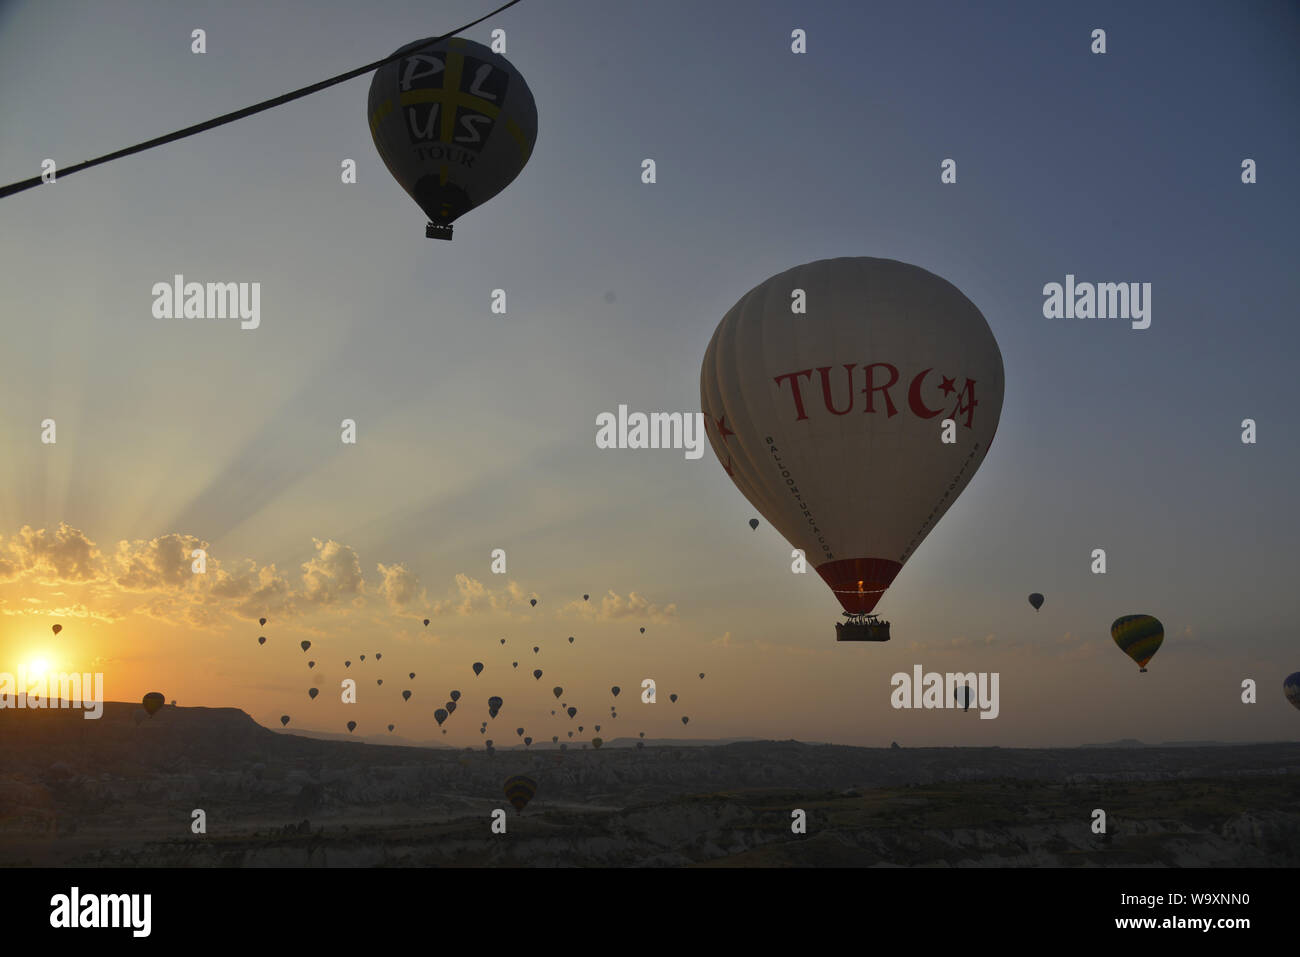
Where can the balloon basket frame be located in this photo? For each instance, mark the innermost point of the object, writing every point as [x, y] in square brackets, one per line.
[434, 231]
[861, 628]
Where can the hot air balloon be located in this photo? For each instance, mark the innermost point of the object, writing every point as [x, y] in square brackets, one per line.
[597, 727]
[312, 693]
[494, 705]
[440, 716]
[519, 732]
[701, 675]
[284, 720]
[672, 698]
[554, 738]
[261, 621]
[390, 727]
[753, 523]
[528, 742]
[304, 645]
[406, 696]
[347, 664]
[571, 639]
[152, 702]
[352, 726]
[533, 602]
[643, 631]
[379, 681]
[311, 664]
[455, 696]
[829, 424]
[450, 706]
[378, 656]
[579, 729]
[643, 734]
[363, 657]
[573, 712]
[615, 690]
[411, 675]
[478, 668]
[685, 720]
[1036, 600]
[261, 640]
[536, 649]
[537, 673]
[596, 743]
[557, 691]
[1138, 636]
[1291, 688]
[586, 598]
[503, 641]
[56, 628]
[426, 623]
[519, 791]
[514, 664]
[454, 123]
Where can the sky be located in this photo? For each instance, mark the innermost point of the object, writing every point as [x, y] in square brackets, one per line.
[477, 431]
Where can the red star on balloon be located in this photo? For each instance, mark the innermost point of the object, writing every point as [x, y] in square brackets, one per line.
[723, 431]
[948, 387]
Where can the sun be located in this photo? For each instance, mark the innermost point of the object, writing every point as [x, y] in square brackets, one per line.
[38, 668]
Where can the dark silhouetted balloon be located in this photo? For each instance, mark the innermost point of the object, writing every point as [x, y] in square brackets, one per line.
[643, 734]
[347, 664]
[533, 602]
[261, 640]
[615, 690]
[440, 716]
[454, 123]
[406, 696]
[311, 664]
[379, 681]
[514, 664]
[1036, 600]
[571, 639]
[363, 657]
[573, 712]
[503, 641]
[1291, 688]
[519, 791]
[643, 631]
[390, 727]
[554, 738]
[352, 726]
[537, 673]
[672, 698]
[261, 621]
[1138, 636]
[557, 691]
[56, 628]
[152, 702]
[535, 649]
[597, 727]
[586, 597]
[312, 693]
[378, 656]
[579, 729]
[685, 720]
[455, 696]
[451, 707]
[528, 742]
[494, 705]
[478, 667]
[284, 719]
[426, 623]
[753, 523]
[519, 732]
[596, 742]
[411, 675]
[304, 645]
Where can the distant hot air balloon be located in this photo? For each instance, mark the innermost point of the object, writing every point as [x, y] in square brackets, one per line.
[347, 664]
[615, 690]
[152, 702]
[503, 641]
[701, 675]
[1291, 688]
[586, 597]
[454, 123]
[455, 696]
[528, 742]
[352, 726]
[554, 738]
[363, 657]
[533, 602]
[311, 664]
[685, 720]
[643, 631]
[261, 621]
[390, 727]
[379, 681]
[519, 732]
[672, 698]
[261, 640]
[450, 706]
[597, 727]
[571, 639]
[514, 664]
[304, 645]
[535, 649]
[643, 734]
[411, 675]
[284, 720]
[478, 667]
[1036, 600]
[519, 791]
[557, 691]
[426, 623]
[579, 729]
[1138, 636]
[596, 743]
[56, 628]
[406, 696]
[845, 406]
[378, 656]
[573, 712]
[753, 523]
[440, 716]
[312, 693]
[537, 673]
[494, 705]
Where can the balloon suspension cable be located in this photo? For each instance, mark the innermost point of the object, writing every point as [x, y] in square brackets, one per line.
[211, 124]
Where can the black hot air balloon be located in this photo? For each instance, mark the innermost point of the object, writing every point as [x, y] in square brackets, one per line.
[56, 628]
[753, 523]
[672, 698]
[152, 702]
[390, 727]
[571, 639]
[261, 640]
[312, 693]
[615, 690]
[643, 631]
[261, 621]
[573, 712]
[454, 123]
[557, 691]
[379, 681]
[586, 597]
[520, 790]
[311, 664]
[519, 732]
[537, 673]
[685, 720]
[455, 696]
[596, 742]
[440, 716]
[304, 645]
[406, 696]
[478, 667]
[352, 726]
[528, 742]
[411, 675]
[450, 706]
[1036, 600]
[494, 705]
[426, 623]
[284, 720]
[533, 602]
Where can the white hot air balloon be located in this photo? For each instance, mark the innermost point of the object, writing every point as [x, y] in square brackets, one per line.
[831, 421]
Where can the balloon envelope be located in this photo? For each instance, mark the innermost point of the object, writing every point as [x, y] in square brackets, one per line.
[1036, 600]
[1291, 688]
[56, 628]
[520, 790]
[478, 667]
[454, 123]
[1138, 636]
[152, 702]
[829, 422]
[440, 716]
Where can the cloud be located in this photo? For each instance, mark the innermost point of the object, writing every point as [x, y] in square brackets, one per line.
[64, 555]
[400, 587]
[474, 597]
[162, 562]
[333, 576]
[613, 606]
[724, 641]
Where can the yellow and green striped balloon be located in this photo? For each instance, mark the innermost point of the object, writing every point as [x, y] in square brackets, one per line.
[1138, 636]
